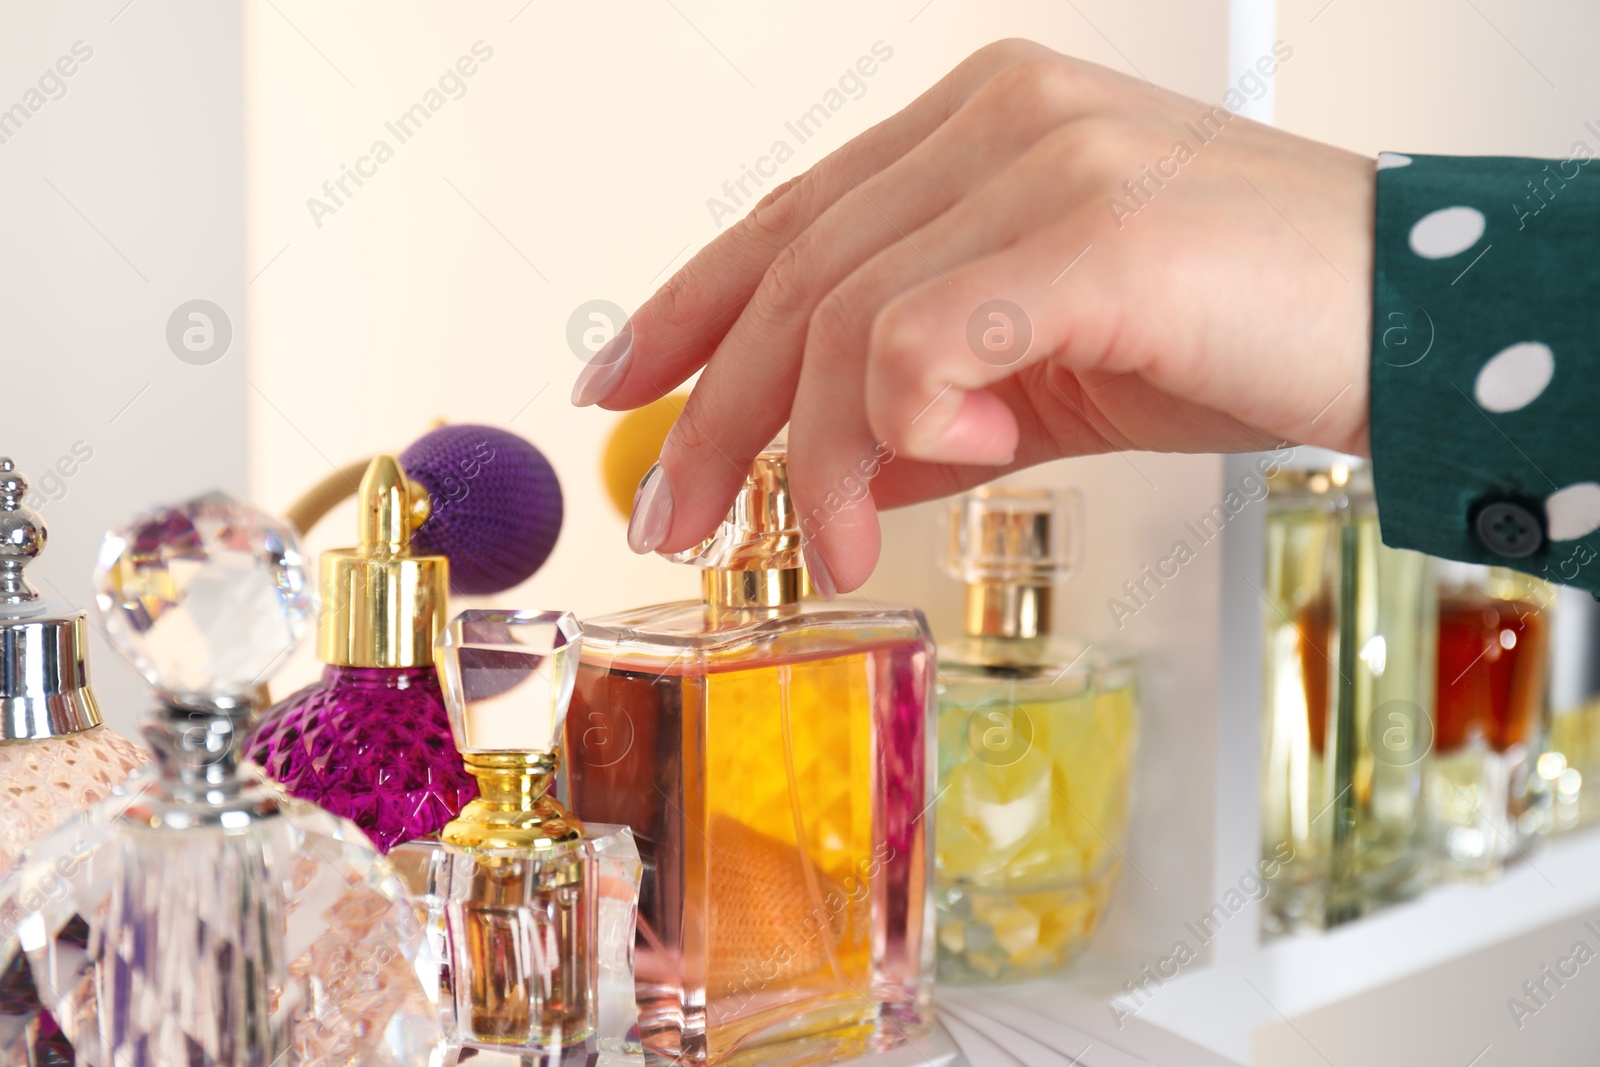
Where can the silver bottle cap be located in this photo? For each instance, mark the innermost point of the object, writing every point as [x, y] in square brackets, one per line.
[44, 668]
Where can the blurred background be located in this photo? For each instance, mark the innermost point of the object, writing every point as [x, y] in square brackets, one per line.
[570, 153]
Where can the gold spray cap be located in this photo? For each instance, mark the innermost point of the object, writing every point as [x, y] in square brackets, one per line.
[1010, 546]
[754, 558]
[383, 606]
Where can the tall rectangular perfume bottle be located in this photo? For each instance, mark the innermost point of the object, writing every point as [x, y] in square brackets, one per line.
[1347, 699]
[771, 756]
[1486, 803]
[530, 911]
[1036, 741]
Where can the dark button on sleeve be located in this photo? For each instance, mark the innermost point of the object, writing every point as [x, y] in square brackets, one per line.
[1509, 529]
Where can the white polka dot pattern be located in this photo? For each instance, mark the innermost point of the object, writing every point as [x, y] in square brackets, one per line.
[1447, 232]
[1573, 512]
[1389, 160]
[1515, 377]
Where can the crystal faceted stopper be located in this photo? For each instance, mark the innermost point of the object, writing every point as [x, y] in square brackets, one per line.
[508, 679]
[206, 598]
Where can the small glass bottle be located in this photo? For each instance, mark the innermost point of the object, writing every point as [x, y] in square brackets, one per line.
[1485, 801]
[771, 756]
[1036, 744]
[371, 740]
[197, 915]
[534, 911]
[56, 757]
[1347, 699]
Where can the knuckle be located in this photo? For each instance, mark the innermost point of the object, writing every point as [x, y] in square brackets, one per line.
[677, 302]
[831, 321]
[777, 216]
[1038, 87]
[1006, 52]
[687, 438]
[787, 288]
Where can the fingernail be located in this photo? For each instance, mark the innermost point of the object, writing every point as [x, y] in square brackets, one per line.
[604, 369]
[652, 512]
[817, 568]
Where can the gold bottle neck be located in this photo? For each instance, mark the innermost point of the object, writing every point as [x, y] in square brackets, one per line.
[514, 809]
[1007, 609]
[774, 587]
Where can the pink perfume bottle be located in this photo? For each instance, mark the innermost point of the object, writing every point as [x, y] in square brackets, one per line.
[55, 756]
[771, 756]
[371, 741]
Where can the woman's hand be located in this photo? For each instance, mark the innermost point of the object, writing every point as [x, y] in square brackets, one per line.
[1038, 258]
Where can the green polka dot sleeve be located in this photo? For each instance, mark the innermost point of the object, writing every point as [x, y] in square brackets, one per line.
[1486, 361]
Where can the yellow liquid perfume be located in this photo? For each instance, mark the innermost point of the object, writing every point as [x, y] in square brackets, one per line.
[1036, 736]
[1348, 698]
[530, 909]
[771, 757]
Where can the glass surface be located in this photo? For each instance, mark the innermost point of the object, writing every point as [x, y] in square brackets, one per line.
[1036, 741]
[508, 678]
[1485, 801]
[146, 932]
[44, 782]
[535, 948]
[1348, 704]
[773, 767]
[371, 744]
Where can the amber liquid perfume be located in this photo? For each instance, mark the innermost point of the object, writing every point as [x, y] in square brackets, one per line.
[1036, 736]
[197, 915]
[1348, 692]
[1485, 800]
[56, 757]
[771, 756]
[533, 912]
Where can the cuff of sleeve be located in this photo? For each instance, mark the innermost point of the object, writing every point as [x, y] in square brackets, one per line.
[1486, 360]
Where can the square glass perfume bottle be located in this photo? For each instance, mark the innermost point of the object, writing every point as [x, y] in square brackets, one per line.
[1486, 801]
[771, 757]
[1036, 745]
[1348, 690]
[198, 915]
[533, 913]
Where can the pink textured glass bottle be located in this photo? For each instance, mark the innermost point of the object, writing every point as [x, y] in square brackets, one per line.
[371, 740]
[772, 759]
[55, 756]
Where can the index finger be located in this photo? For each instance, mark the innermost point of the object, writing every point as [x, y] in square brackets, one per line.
[676, 331]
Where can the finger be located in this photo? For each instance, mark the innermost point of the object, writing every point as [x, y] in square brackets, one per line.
[676, 330]
[745, 392]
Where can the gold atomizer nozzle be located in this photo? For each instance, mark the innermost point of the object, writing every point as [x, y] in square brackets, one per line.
[754, 559]
[383, 606]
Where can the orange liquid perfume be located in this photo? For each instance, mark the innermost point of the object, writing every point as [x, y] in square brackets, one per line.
[771, 756]
[1485, 801]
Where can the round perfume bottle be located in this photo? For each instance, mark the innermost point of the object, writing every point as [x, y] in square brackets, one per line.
[371, 740]
[198, 915]
[56, 757]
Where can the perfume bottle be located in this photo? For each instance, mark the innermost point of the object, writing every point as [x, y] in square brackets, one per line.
[55, 755]
[1485, 801]
[1036, 737]
[771, 757]
[527, 900]
[1347, 699]
[197, 915]
[371, 741]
